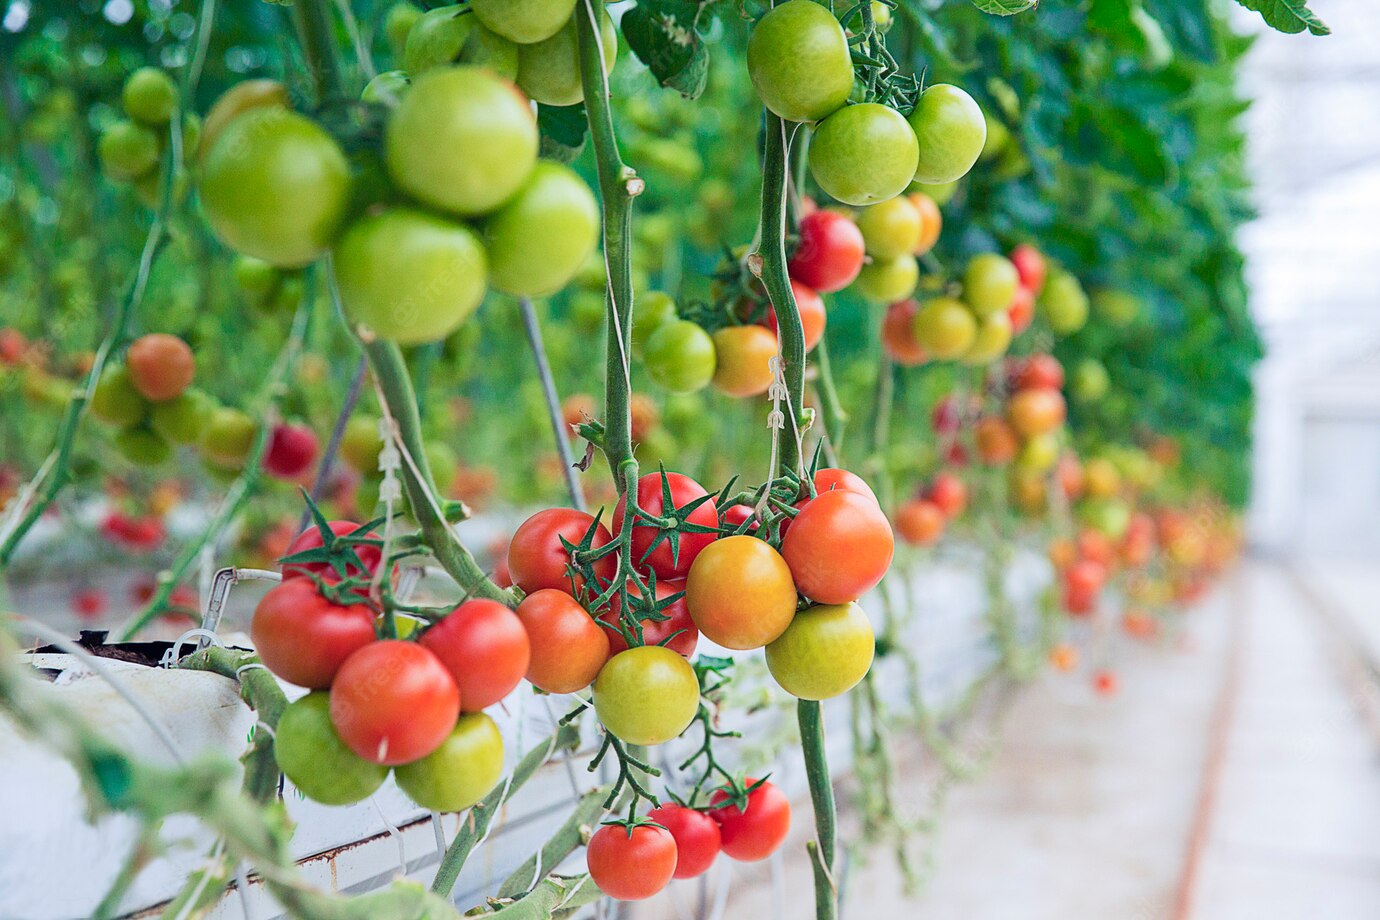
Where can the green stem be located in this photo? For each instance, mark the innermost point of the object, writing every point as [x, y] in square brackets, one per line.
[811, 719]
[313, 24]
[834, 413]
[572, 834]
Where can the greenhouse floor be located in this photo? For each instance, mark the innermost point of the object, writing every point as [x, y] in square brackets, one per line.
[1235, 775]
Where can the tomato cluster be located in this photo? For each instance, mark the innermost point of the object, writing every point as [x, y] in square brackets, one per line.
[131, 148]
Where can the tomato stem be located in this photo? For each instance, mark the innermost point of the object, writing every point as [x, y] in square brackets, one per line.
[313, 24]
[811, 719]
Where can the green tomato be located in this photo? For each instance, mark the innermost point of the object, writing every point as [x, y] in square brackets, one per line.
[449, 34]
[863, 154]
[461, 771]
[992, 339]
[115, 400]
[825, 651]
[549, 70]
[1111, 516]
[442, 461]
[150, 96]
[1090, 380]
[142, 446]
[646, 695]
[680, 356]
[1117, 308]
[539, 239]
[182, 419]
[989, 283]
[275, 186]
[587, 310]
[256, 278]
[940, 192]
[886, 281]
[1064, 303]
[228, 438]
[653, 310]
[1040, 453]
[524, 21]
[410, 276]
[951, 131]
[945, 327]
[127, 151]
[799, 62]
[891, 228]
[386, 88]
[310, 754]
[461, 140]
[360, 444]
[397, 25]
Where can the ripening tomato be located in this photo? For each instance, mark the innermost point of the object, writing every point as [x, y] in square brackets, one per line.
[1070, 475]
[460, 772]
[646, 695]
[920, 522]
[291, 451]
[898, 334]
[160, 366]
[863, 154]
[1030, 264]
[996, 441]
[312, 756]
[945, 327]
[656, 632]
[1038, 371]
[1022, 311]
[304, 638]
[670, 560]
[950, 131]
[740, 593]
[931, 222]
[756, 831]
[696, 835]
[631, 864]
[743, 354]
[394, 702]
[567, 646]
[825, 651]
[830, 253]
[812, 315]
[1035, 412]
[949, 493]
[838, 547]
[537, 560]
[484, 647]
[891, 228]
[799, 62]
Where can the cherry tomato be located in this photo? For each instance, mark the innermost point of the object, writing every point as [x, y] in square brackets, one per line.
[828, 478]
[310, 538]
[920, 522]
[830, 253]
[1090, 380]
[89, 603]
[128, 151]
[536, 558]
[1064, 303]
[393, 702]
[160, 366]
[945, 327]
[742, 360]
[825, 651]
[631, 864]
[539, 239]
[303, 637]
[655, 632]
[898, 334]
[652, 311]
[753, 833]
[696, 834]
[310, 754]
[951, 133]
[667, 561]
[736, 515]
[1022, 311]
[446, 35]
[1035, 412]
[838, 547]
[464, 769]
[182, 419]
[863, 154]
[142, 446]
[680, 356]
[567, 646]
[1038, 371]
[891, 228]
[549, 70]
[740, 593]
[291, 451]
[889, 280]
[949, 493]
[989, 283]
[1106, 683]
[646, 695]
[149, 96]
[799, 61]
[996, 441]
[992, 339]
[812, 315]
[484, 647]
[524, 21]
[931, 222]
[1030, 264]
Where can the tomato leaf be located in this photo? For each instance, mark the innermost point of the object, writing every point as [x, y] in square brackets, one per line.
[562, 130]
[1004, 7]
[1290, 16]
[664, 35]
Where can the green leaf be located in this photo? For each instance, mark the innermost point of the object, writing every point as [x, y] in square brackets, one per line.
[664, 36]
[1004, 7]
[562, 130]
[1290, 16]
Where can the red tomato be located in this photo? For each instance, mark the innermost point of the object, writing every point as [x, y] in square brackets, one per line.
[828, 479]
[1022, 311]
[291, 451]
[754, 833]
[735, 515]
[89, 603]
[304, 638]
[393, 702]
[1085, 576]
[536, 558]
[812, 316]
[920, 522]
[898, 334]
[654, 632]
[946, 416]
[1106, 683]
[696, 834]
[311, 539]
[831, 252]
[662, 560]
[1038, 372]
[484, 647]
[949, 493]
[1030, 265]
[838, 547]
[568, 647]
[631, 865]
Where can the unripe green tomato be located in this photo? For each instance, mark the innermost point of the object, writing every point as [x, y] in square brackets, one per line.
[228, 438]
[142, 446]
[256, 278]
[657, 447]
[239, 99]
[989, 283]
[149, 96]
[825, 652]
[1064, 303]
[410, 276]
[310, 754]
[1090, 380]
[449, 35]
[945, 327]
[940, 192]
[685, 412]
[680, 356]
[442, 461]
[461, 140]
[539, 239]
[360, 444]
[950, 128]
[275, 185]
[127, 151]
[1040, 453]
[116, 401]
[397, 25]
[799, 62]
[1110, 516]
[524, 21]
[652, 310]
[863, 154]
[587, 310]
[183, 419]
[461, 771]
[149, 188]
[1118, 308]
[998, 137]
[890, 228]
[646, 695]
[881, 17]
[886, 281]
[549, 70]
[992, 339]
[386, 88]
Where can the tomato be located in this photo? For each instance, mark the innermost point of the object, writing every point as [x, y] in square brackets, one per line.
[756, 831]
[1031, 266]
[291, 451]
[304, 638]
[160, 366]
[838, 547]
[1094, 546]
[799, 62]
[524, 21]
[1085, 576]
[646, 695]
[229, 437]
[828, 479]
[1064, 303]
[1022, 310]
[1063, 657]
[549, 70]
[310, 539]
[89, 603]
[116, 401]
[680, 356]
[737, 515]
[742, 356]
[1039, 453]
[1035, 412]
[920, 522]
[696, 835]
[128, 151]
[631, 864]
[1101, 478]
[992, 339]
[1118, 308]
[447, 35]
[410, 276]
[464, 769]
[951, 133]
[461, 140]
[540, 237]
[567, 646]
[653, 310]
[931, 222]
[989, 283]
[310, 754]
[863, 154]
[485, 647]
[945, 327]
[182, 419]
[667, 561]
[393, 702]
[275, 185]
[889, 280]
[149, 96]
[996, 441]
[656, 632]
[830, 253]
[812, 315]
[891, 228]
[142, 446]
[240, 98]
[537, 560]
[1090, 380]
[1070, 474]
[1106, 683]
[1039, 371]
[740, 593]
[949, 493]
[824, 653]
[898, 334]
